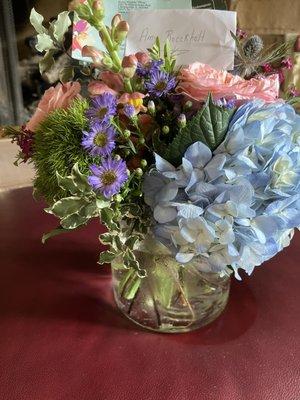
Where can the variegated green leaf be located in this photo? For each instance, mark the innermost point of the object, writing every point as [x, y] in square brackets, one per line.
[44, 42]
[61, 25]
[36, 21]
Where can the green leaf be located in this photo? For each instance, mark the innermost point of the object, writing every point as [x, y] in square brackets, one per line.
[66, 206]
[47, 61]
[107, 238]
[67, 183]
[209, 126]
[131, 241]
[54, 232]
[73, 221]
[80, 180]
[163, 285]
[36, 21]
[44, 42]
[61, 25]
[106, 217]
[106, 257]
[89, 211]
[102, 203]
[66, 74]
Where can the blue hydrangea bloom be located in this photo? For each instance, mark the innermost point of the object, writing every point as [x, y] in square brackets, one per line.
[237, 206]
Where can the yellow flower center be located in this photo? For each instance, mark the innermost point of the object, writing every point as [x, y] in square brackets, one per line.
[136, 103]
[161, 86]
[100, 139]
[102, 112]
[108, 177]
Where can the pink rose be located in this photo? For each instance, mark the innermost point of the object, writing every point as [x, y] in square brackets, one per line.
[198, 80]
[60, 96]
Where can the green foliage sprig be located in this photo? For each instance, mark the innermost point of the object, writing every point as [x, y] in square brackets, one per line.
[57, 147]
[209, 126]
[51, 41]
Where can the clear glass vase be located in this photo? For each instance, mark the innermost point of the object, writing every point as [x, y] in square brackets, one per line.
[172, 298]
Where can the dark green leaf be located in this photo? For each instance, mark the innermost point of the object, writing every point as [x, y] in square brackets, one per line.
[53, 233]
[209, 126]
[106, 257]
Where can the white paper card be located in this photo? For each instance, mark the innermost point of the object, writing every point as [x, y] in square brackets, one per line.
[195, 35]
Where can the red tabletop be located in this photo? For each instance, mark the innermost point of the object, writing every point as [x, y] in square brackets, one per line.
[62, 338]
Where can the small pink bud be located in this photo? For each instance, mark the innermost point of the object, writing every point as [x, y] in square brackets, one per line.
[267, 68]
[287, 63]
[121, 32]
[97, 5]
[95, 54]
[116, 20]
[241, 34]
[129, 65]
[129, 61]
[142, 57]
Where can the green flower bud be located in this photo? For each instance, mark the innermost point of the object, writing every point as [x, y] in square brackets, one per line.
[144, 163]
[165, 130]
[118, 198]
[151, 107]
[142, 141]
[126, 134]
[181, 121]
[188, 105]
[139, 172]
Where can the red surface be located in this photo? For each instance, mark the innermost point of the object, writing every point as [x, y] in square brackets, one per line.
[61, 337]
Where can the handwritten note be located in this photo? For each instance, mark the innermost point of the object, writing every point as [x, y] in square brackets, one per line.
[195, 35]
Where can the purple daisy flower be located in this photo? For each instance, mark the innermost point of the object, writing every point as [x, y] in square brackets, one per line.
[109, 177]
[129, 110]
[160, 84]
[145, 70]
[103, 107]
[100, 140]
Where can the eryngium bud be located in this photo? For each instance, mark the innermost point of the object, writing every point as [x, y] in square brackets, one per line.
[253, 46]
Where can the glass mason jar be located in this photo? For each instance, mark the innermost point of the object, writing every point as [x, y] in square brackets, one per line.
[172, 297]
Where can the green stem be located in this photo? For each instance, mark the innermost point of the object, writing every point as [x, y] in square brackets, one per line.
[110, 46]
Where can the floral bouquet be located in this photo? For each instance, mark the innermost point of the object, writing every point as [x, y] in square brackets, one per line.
[195, 172]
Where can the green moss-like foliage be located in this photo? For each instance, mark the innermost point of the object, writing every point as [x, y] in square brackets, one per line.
[57, 147]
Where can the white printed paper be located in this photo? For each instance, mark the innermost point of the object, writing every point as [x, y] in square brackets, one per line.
[195, 35]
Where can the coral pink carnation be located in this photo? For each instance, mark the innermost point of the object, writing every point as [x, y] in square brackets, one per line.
[198, 80]
[60, 96]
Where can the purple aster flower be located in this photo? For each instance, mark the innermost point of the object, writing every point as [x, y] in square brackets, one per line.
[103, 107]
[100, 140]
[223, 102]
[109, 177]
[129, 110]
[161, 83]
[145, 70]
